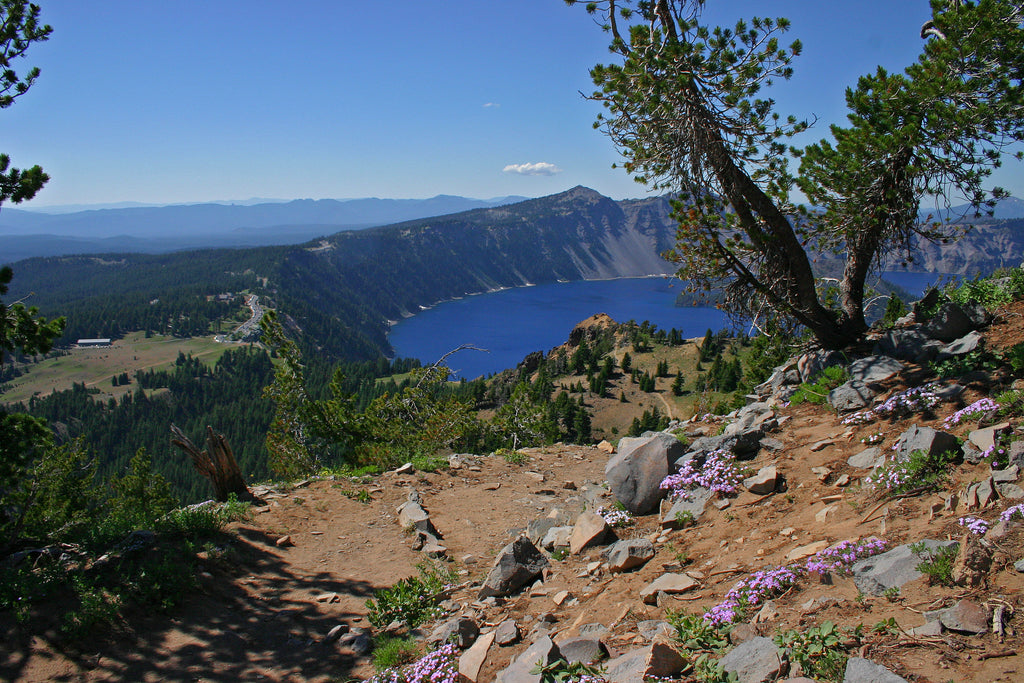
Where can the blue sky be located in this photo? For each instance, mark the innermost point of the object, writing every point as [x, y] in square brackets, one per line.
[189, 101]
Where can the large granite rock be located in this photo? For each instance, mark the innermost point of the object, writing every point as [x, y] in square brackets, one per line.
[874, 369]
[543, 650]
[628, 554]
[657, 660]
[852, 395]
[925, 439]
[636, 472]
[517, 564]
[757, 660]
[860, 670]
[952, 321]
[892, 569]
[908, 344]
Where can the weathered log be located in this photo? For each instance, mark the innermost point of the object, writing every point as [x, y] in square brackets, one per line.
[217, 463]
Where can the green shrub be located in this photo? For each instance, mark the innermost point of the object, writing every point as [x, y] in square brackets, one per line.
[412, 600]
[561, 671]
[819, 650]
[919, 470]
[937, 565]
[816, 391]
[961, 365]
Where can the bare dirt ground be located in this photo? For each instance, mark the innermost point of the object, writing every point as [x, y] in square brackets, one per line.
[263, 614]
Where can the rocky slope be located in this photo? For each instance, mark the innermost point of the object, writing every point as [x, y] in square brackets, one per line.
[286, 599]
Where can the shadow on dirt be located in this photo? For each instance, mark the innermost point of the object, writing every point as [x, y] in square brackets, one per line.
[232, 628]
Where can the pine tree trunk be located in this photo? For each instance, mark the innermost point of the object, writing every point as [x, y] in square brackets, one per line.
[217, 463]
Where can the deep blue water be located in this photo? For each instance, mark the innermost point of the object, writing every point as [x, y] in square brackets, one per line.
[515, 322]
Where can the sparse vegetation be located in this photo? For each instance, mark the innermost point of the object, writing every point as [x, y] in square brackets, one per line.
[936, 565]
[411, 601]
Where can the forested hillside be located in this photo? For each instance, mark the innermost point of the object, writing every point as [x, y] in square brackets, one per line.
[339, 292]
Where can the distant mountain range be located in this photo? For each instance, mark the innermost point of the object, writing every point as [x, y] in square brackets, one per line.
[158, 229]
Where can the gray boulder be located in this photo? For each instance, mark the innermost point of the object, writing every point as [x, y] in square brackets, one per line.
[908, 344]
[860, 670]
[757, 660]
[693, 504]
[925, 439]
[852, 395]
[874, 369]
[635, 473]
[892, 569]
[543, 650]
[586, 650]
[810, 364]
[867, 459]
[517, 564]
[628, 554]
[463, 631]
[962, 346]
[953, 321]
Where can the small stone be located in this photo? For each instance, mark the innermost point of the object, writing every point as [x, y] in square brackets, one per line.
[806, 551]
[284, 542]
[966, 616]
[407, 468]
[1019, 566]
[491, 486]
[821, 516]
[821, 445]
[472, 660]
[843, 480]
[590, 528]
[667, 583]
[335, 633]
[560, 597]
[506, 633]
[764, 482]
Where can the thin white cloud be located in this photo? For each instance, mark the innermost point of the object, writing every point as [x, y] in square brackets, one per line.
[540, 168]
[488, 105]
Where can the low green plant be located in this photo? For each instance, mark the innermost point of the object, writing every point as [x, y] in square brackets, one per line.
[411, 600]
[1011, 403]
[936, 565]
[513, 457]
[958, 366]
[891, 593]
[886, 627]
[561, 671]
[559, 554]
[696, 634]
[921, 470]
[684, 518]
[391, 652]
[819, 650]
[991, 292]
[97, 608]
[816, 390]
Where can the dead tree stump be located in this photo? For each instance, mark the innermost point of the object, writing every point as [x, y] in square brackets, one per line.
[217, 463]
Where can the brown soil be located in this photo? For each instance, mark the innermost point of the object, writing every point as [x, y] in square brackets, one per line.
[263, 614]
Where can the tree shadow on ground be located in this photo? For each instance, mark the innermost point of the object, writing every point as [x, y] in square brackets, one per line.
[234, 627]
